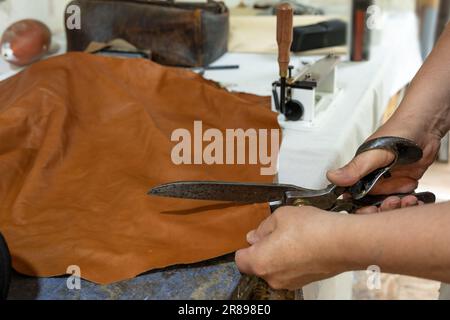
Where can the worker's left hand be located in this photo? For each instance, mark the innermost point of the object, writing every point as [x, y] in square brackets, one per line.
[292, 248]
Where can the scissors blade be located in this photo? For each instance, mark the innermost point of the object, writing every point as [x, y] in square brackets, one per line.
[224, 191]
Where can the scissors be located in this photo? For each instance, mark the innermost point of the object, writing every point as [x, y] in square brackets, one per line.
[331, 198]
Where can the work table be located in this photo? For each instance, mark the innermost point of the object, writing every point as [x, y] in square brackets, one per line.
[212, 280]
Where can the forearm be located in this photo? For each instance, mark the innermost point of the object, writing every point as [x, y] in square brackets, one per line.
[413, 241]
[426, 106]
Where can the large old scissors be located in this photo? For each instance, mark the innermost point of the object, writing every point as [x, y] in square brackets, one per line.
[331, 198]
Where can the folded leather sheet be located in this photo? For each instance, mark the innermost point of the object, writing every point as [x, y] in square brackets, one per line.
[82, 140]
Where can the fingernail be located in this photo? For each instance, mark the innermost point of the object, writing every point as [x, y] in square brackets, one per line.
[251, 237]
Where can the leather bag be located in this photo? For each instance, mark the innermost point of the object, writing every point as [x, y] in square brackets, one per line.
[178, 34]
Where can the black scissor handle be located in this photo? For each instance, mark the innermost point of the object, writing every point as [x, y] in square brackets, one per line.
[405, 152]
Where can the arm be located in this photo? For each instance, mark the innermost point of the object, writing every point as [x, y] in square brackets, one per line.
[426, 105]
[297, 246]
[423, 117]
[413, 241]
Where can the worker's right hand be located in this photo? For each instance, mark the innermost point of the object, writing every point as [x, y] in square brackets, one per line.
[404, 178]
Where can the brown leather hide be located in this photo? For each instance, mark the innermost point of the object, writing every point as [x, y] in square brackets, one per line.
[82, 140]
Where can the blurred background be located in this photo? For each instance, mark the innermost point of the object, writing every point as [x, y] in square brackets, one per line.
[51, 11]
[432, 14]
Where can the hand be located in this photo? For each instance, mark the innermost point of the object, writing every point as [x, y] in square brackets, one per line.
[404, 179]
[292, 248]
[423, 117]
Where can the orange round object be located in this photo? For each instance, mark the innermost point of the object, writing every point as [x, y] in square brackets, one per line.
[25, 42]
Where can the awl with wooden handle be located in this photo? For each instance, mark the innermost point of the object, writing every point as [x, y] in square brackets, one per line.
[285, 16]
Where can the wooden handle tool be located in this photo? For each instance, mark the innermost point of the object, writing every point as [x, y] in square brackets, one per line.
[285, 16]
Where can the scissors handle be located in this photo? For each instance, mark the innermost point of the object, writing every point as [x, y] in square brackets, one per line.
[405, 152]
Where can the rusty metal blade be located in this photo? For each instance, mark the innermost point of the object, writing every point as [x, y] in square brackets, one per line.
[224, 191]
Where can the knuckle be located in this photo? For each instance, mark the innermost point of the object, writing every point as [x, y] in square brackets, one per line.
[259, 270]
[239, 257]
[259, 267]
[284, 211]
[368, 160]
[410, 186]
[355, 165]
[275, 284]
[354, 168]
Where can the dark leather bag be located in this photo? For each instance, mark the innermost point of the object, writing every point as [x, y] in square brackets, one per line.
[178, 34]
[5, 268]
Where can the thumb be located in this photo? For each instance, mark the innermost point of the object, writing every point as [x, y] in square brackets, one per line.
[359, 167]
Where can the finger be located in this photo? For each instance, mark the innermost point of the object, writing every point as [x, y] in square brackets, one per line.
[253, 260]
[411, 171]
[394, 185]
[367, 210]
[251, 237]
[409, 201]
[243, 260]
[265, 228]
[360, 166]
[248, 260]
[391, 203]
